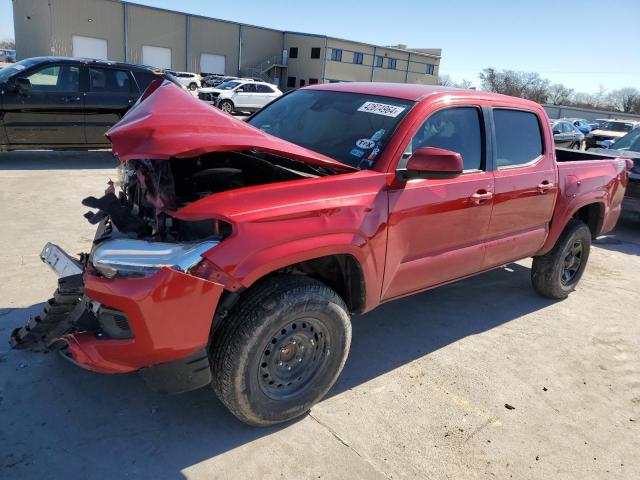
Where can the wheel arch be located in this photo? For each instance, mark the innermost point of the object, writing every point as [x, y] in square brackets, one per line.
[591, 211]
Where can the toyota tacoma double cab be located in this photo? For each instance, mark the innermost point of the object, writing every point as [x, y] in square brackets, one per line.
[234, 253]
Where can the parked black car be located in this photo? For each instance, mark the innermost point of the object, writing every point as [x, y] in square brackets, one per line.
[566, 135]
[61, 103]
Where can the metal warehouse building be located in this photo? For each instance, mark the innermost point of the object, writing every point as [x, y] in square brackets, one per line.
[121, 31]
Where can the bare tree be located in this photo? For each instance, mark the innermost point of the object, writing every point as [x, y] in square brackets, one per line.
[559, 94]
[625, 99]
[529, 85]
[447, 81]
[8, 44]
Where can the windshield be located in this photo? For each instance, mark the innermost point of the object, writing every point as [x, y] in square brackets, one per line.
[228, 85]
[616, 126]
[630, 142]
[9, 71]
[352, 128]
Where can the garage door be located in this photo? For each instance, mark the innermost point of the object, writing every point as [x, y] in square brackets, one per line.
[159, 57]
[89, 47]
[210, 63]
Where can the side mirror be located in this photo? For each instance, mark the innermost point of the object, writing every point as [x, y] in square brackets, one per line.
[23, 86]
[556, 131]
[240, 89]
[431, 162]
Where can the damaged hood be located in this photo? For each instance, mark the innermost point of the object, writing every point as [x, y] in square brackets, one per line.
[170, 122]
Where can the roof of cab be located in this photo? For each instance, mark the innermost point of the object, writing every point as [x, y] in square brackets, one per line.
[92, 61]
[412, 92]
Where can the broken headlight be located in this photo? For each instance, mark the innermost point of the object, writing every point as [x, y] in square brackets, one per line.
[138, 258]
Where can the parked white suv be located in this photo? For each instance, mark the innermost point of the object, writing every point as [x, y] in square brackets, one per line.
[243, 95]
[188, 79]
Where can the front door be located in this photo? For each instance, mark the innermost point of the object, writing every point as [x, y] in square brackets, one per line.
[51, 114]
[525, 187]
[437, 227]
[245, 96]
[110, 93]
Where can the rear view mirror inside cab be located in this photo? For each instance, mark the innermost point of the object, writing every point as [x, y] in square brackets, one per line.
[431, 162]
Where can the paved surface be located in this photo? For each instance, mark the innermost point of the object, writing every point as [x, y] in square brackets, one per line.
[423, 393]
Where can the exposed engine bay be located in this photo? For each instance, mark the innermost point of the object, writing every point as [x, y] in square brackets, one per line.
[152, 189]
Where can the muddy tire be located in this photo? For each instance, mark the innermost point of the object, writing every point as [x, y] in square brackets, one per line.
[226, 106]
[280, 349]
[557, 273]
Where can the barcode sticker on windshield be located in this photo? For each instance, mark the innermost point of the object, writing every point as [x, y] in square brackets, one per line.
[381, 109]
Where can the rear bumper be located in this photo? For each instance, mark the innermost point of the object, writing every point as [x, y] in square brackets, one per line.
[170, 314]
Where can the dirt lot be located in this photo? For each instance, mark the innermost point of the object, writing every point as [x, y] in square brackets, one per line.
[423, 393]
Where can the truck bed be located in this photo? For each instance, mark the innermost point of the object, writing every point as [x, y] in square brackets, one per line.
[568, 155]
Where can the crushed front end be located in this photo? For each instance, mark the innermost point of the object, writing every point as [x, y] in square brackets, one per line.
[137, 301]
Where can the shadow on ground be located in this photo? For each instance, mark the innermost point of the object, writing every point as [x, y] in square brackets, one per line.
[57, 160]
[624, 238]
[53, 408]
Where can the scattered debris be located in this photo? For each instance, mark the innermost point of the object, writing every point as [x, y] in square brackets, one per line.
[509, 407]
[154, 410]
[537, 457]
[544, 389]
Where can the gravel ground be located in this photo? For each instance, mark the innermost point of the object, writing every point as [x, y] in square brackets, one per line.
[477, 379]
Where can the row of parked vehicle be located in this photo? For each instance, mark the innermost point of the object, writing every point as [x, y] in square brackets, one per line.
[579, 134]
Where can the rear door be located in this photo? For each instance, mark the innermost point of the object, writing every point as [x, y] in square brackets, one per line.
[525, 186]
[52, 113]
[110, 93]
[437, 227]
[265, 94]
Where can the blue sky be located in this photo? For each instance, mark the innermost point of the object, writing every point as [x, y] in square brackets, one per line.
[583, 43]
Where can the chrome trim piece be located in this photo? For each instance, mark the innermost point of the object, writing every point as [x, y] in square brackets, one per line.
[122, 253]
[59, 261]
[520, 165]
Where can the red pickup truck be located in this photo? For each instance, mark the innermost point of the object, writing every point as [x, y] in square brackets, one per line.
[234, 253]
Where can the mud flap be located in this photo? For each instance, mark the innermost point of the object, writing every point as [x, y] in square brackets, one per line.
[179, 376]
[56, 319]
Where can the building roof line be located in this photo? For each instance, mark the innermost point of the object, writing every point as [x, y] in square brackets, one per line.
[204, 17]
[395, 49]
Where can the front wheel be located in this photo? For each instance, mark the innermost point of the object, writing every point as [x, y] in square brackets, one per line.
[226, 106]
[556, 274]
[193, 86]
[280, 350]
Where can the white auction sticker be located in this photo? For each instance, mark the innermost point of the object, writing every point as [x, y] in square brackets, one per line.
[381, 109]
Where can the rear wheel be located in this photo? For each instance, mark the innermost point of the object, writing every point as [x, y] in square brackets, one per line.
[557, 273]
[193, 86]
[280, 350]
[226, 106]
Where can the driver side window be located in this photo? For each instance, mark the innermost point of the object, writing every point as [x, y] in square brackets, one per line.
[456, 129]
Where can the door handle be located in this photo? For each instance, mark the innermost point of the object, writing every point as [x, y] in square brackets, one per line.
[481, 196]
[545, 186]
[71, 99]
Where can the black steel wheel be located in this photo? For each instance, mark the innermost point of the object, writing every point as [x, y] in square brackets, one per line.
[557, 273]
[280, 349]
[293, 357]
[572, 262]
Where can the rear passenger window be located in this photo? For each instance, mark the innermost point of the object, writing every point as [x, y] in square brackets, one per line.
[109, 81]
[456, 129]
[264, 88]
[518, 137]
